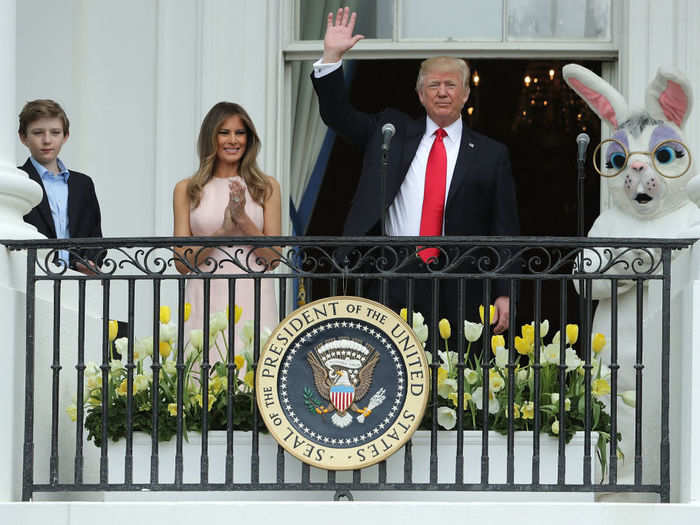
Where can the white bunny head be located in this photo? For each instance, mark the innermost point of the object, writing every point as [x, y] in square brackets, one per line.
[647, 159]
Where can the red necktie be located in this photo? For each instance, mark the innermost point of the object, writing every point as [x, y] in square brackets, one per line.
[434, 193]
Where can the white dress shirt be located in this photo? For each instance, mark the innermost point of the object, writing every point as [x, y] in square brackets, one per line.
[405, 212]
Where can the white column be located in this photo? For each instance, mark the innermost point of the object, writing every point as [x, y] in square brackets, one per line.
[18, 194]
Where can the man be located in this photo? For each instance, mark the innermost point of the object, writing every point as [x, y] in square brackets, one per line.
[69, 206]
[443, 179]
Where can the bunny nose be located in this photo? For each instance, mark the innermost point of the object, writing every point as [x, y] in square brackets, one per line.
[637, 166]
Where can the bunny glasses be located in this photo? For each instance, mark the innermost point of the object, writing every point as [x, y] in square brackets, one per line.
[671, 158]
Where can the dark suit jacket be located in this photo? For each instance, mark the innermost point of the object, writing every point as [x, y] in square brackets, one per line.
[481, 198]
[84, 219]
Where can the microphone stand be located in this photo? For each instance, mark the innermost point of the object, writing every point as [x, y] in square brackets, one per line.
[384, 288]
[582, 141]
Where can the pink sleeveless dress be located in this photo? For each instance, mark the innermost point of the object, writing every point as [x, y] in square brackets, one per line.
[205, 219]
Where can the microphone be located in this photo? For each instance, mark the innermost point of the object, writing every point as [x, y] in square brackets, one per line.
[582, 140]
[388, 131]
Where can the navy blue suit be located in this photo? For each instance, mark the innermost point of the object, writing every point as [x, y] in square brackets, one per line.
[84, 219]
[481, 197]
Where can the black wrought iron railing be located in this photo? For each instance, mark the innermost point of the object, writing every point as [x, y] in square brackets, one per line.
[167, 389]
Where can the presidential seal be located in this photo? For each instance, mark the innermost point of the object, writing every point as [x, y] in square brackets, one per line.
[342, 383]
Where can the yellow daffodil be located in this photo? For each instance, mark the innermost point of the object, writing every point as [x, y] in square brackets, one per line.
[445, 328]
[188, 311]
[210, 401]
[453, 397]
[442, 375]
[240, 361]
[248, 379]
[172, 409]
[528, 410]
[164, 349]
[165, 314]
[600, 387]
[497, 341]
[121, 389]
[522, 346]
[598, 342]
[72, 411]
[516, 411]
[217, 385]
[492, 313]
[113, 328]
[571, 333]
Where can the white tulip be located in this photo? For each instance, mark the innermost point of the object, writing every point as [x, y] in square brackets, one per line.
[447, 418]
[501, 357]
[629, 397]
[472, 331]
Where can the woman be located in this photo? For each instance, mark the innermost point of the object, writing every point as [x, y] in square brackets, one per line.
[228, 196]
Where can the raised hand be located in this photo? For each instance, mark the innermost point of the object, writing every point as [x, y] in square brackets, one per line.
[339, 38]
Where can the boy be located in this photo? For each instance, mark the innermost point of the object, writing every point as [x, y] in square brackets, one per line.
[69, 206]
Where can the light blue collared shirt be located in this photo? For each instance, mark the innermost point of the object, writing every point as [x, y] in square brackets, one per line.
[56, 186]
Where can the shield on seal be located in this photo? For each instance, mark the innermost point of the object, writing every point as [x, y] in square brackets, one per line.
[342, 396]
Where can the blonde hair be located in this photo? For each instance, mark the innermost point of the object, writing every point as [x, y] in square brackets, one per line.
[258, 185]
[443, 63]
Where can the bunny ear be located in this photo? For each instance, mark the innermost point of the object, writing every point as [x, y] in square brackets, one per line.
[670, 97]
[600, 96]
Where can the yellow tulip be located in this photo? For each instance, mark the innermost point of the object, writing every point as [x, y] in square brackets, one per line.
[113, 328]
[164, 349]
[442, 375]
[237, 311]
[528, 332]
[445, 328]
[571, 333]
[522, 346]
[497, 341]
[404, 314]
[188, 311]
[240, 361]
[172, 409]
[492, 313]
[598, 342]
[165, 314]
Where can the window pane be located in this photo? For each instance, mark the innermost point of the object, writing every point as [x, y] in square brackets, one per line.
[451, 20]
[559, 19]
[375, 18]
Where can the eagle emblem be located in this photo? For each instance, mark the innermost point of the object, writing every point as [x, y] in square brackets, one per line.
[343, 369]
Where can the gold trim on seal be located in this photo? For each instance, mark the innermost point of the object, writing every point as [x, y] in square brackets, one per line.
[388, 325]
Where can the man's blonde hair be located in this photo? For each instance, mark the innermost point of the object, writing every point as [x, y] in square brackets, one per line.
[443, 64]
